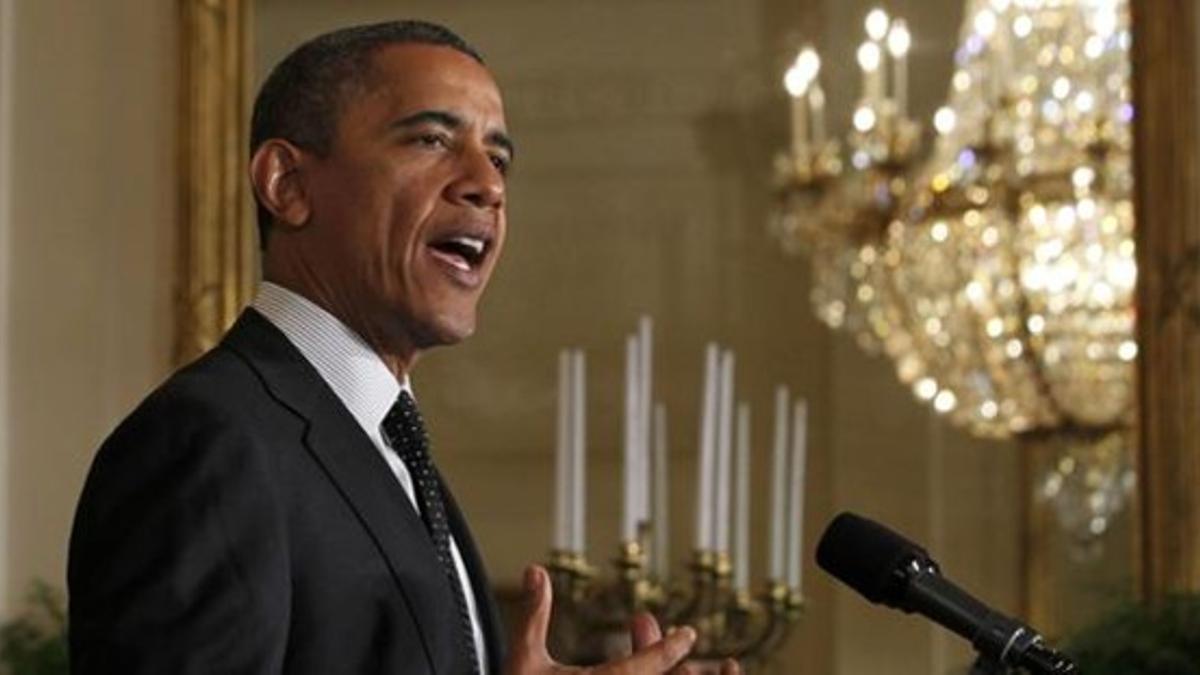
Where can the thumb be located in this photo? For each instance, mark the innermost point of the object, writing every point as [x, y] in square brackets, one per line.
[530, 639]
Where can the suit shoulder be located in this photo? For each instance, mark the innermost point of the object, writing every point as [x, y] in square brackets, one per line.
[219, 391]
[215, 382]
[211, 411]
[206, 433]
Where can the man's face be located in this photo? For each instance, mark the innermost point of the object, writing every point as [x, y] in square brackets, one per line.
[407, 209]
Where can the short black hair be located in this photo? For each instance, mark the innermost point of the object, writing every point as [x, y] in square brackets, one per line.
[302, 98]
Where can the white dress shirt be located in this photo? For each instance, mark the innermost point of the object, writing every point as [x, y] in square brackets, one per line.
[364, 385]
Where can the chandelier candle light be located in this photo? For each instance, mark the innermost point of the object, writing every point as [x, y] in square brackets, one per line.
[717, 600]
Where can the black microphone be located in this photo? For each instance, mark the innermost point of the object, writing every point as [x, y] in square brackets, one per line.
[889, 569]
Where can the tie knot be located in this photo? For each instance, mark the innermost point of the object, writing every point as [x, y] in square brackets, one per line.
[405, 406]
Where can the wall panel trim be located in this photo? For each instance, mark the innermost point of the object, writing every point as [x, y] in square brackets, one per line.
[1168, 249]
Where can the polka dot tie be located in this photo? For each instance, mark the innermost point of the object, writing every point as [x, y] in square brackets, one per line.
[405, 433]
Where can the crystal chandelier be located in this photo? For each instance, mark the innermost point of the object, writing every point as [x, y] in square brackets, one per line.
[994, 265]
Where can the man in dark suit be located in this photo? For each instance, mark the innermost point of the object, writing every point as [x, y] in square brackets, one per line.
[273, 507]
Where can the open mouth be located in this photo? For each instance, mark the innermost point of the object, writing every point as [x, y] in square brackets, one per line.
[464, 252]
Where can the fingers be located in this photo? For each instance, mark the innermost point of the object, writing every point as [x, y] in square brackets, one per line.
[726, 667]
[644, 631]
[529, 641]
[659, 657]
[538, 601]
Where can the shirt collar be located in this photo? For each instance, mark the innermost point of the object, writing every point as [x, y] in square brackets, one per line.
[344, 360]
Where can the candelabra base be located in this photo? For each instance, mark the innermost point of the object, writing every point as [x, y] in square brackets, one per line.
[590, 622]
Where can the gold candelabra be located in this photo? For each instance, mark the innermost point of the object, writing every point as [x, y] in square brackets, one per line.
[592, 611]
[713, 593]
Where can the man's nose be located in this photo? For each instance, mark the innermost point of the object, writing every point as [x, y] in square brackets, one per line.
[481, 183]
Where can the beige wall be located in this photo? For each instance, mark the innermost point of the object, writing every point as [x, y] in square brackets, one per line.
[6, 43]
[88, 258]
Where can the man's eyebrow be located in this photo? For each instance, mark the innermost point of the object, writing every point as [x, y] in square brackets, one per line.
[501, 139]
[452, 121]
[446, 119]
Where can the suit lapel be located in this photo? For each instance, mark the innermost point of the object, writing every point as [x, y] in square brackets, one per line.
[365, 481]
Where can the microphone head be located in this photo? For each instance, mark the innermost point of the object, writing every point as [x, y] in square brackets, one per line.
[867, 557]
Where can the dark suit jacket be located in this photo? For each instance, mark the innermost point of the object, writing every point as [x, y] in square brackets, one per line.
[240, 521]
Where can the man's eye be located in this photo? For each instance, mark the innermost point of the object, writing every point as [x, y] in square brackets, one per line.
[501, 163]
[433, 140]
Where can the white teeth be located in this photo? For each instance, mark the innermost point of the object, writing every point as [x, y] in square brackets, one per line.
[473, 243]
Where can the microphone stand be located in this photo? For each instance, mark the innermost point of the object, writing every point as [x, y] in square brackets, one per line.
[1035, 658]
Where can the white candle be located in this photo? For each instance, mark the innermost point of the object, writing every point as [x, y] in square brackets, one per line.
[629, 502]
[645, 413]
[704, 469]
[816, 100]
[797, 81]
[779, 479]
[876, 87]
[898, 42]
[741, 557]
[662, 531]
[870, 59]
[724, 452]
[799, 126]
[579, 458]
[562, 456]
[796, 517]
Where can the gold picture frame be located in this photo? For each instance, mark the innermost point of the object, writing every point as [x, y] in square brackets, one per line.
[218, 241]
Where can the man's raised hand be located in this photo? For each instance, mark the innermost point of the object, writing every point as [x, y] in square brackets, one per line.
[528, 655]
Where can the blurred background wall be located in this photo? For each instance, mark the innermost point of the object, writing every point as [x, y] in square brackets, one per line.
[87, 254]
[6, 43]
[645, 133]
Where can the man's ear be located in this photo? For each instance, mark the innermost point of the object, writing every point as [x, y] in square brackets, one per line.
[275, 176]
